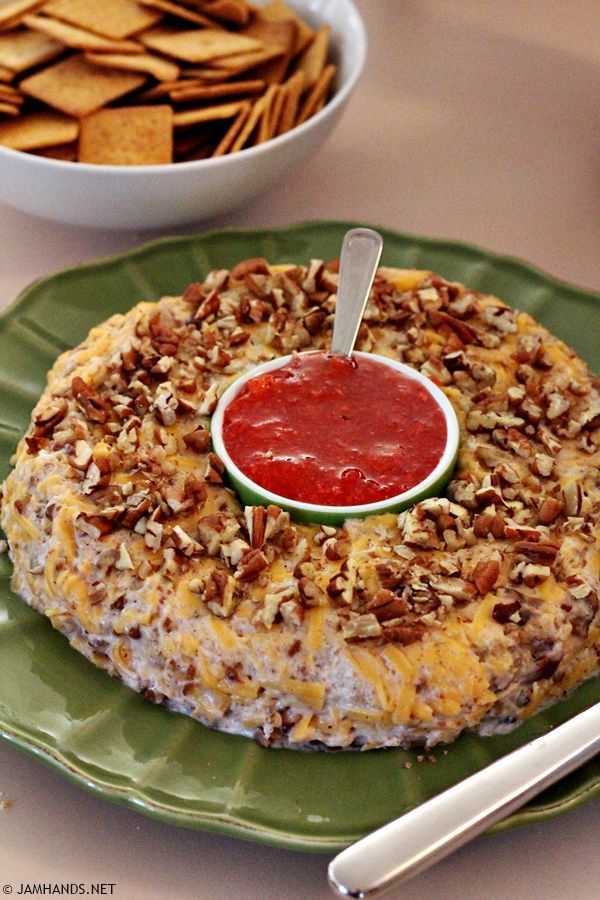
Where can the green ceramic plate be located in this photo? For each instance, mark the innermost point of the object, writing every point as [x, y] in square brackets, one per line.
[106, 738]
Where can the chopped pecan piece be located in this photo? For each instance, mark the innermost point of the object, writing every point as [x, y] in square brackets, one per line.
[219, 593]
[485, 575]
[253, 266]
[46, 421]
[214, 469]
[163, 337]
[572, 498]
[506, 612]
[384, 605]
[537, 551]
[361, 628]
[193, 293]
[215, 530]
[93, 407]
[101, 524]
[403, 634]
[310, 593]
[251, 565]
[314, 319]
[256, 519]
[82, 456]
[341, 585]
[488, 524]
[35, 444]
[198, 439]
[466, 333]
[550, 509]
[134, 512]
[209, 306]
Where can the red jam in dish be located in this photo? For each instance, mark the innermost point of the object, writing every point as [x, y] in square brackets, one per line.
[337, 432]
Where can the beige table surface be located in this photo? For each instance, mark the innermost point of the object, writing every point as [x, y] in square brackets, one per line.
[476, 120]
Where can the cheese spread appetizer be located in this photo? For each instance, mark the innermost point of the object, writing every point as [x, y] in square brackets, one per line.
[467, 611]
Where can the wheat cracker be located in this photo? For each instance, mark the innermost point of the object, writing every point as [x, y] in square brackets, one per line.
[127, 136]
[199, 45]
[206, 114]
[22, 49]
[116, 19]
[78, 38]
[78, 87]
[160, 68]
[278, 11]
[39, 129]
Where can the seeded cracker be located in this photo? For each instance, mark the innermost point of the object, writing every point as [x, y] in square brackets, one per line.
[77, 87]
[115, 19]
[137, 136]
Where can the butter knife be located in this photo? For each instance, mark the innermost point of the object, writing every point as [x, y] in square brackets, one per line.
[407, 846]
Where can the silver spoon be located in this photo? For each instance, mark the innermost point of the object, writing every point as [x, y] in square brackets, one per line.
[403, 848]
[361, 251]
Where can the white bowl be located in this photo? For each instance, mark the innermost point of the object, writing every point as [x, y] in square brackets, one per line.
[250, 493]
[139, 197]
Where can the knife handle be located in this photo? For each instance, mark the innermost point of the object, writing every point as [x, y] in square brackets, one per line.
[407, 846]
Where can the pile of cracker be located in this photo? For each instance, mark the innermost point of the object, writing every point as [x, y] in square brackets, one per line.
[144, 82]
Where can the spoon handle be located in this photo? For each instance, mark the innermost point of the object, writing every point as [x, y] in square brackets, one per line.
[428, 833]
[361, 251]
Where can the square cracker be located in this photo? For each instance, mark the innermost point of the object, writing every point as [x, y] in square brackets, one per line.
[178, 11]
[160, 68]
[279, 35]
[22, 49]
[12, 10]
[77, 87]
[127, 136]
[198, 45]
[195, 91]
[64, 152]
[40, 129]
[114, 19]
[316, 95]
[78, 38]
[313, 60]
[187, 117]
[278, 11]
[236, 12]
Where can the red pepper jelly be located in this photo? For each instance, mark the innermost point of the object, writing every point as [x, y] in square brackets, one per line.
[334, 431]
